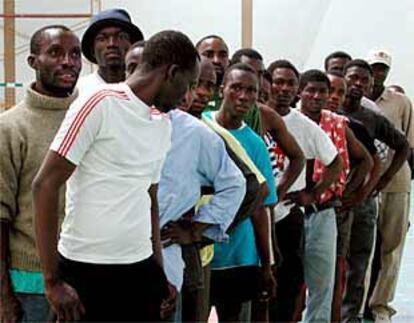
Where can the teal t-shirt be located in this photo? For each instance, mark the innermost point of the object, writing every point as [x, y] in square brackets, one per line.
[240, 250]
[253, 118]
[27, 282]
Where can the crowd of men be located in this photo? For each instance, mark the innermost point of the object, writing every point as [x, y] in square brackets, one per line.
[177, 177]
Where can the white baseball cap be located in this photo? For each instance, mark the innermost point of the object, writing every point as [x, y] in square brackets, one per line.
[379, 57]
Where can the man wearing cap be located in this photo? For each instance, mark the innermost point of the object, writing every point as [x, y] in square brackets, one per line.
[105, 43]
[394, 202]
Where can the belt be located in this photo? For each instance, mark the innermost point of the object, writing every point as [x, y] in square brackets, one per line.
[316, 207]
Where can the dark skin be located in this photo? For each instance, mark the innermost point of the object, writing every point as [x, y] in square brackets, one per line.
[274, 124]
[57, 66]
[314, 97]
[110, 47]
[240, 90]
[164, 87]
[204, 91]
[132, 59]
[215, 50]
[380, 73]
[353, 197]
[358, 80]
[174, 232]
[284, 89]
[337, 64]
[264, 93]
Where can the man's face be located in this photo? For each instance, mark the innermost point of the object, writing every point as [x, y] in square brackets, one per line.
[337, 64]
[337, 92]
[132, 59]
[205, 88]
[110, 46]
[380, 73]
[265, 91]
[240, 91]
[58, 62]
[314, 96]
[216, 51]
[256, 64]
[177, 83]
[284, 87]
[358, 82]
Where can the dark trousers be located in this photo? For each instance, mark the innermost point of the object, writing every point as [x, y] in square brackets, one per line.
[131, 292]
[230, 288]
[360, 246]
[195, 302]
[290, 275]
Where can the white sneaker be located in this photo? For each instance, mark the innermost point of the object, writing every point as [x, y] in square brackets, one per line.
[382, 317]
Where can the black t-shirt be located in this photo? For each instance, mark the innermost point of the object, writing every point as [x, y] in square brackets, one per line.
[362, 135]
[378, 127]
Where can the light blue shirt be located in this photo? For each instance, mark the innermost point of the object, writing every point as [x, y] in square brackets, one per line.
[241, 249]
[198, 157]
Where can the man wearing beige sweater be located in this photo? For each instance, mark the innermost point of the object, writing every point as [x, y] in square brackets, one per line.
[26, 132]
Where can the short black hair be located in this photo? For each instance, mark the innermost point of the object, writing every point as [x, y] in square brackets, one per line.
[282, 63]
[313, 76]
[249, 52]
[337, 54]
[138, 44]
[170, 47]
[38, 34]
[208, 37]
[267, 76]
[358, 63]
[238, 66]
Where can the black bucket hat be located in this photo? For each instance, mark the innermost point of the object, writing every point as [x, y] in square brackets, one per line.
[112, 17]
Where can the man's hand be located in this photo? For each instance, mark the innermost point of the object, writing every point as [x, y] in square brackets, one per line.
[281, 192]
[64, 301]
[10, 309]
[353, 199]
[168, 304]
[301, 198]
[181, 232]
[267, 286]
[382, 183]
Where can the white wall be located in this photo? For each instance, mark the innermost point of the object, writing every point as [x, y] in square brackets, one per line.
[304, 31]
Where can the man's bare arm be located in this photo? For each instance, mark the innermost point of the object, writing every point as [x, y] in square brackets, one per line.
[363, 162]
[52, 175]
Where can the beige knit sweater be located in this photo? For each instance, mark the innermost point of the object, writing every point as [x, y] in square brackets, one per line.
[26, 132]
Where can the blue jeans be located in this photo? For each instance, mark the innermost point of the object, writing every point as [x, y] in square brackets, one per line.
[35, 307]
[319, 263]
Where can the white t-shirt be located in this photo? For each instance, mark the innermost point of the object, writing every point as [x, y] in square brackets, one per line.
[315, 144]
[118, 144]
[89, 83]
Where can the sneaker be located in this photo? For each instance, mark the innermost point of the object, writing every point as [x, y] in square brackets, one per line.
[382, 317]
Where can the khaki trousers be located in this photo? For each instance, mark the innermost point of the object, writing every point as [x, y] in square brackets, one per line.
[392, 226]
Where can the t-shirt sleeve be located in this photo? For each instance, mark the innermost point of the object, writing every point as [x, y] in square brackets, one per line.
[156, 174]
[361, 133]
[388, 134]
[262, 161]
[322, 146]
[79, 128]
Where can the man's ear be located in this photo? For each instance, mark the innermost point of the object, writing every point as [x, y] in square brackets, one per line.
[171, 72]
[32, 61]
[220, 91]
